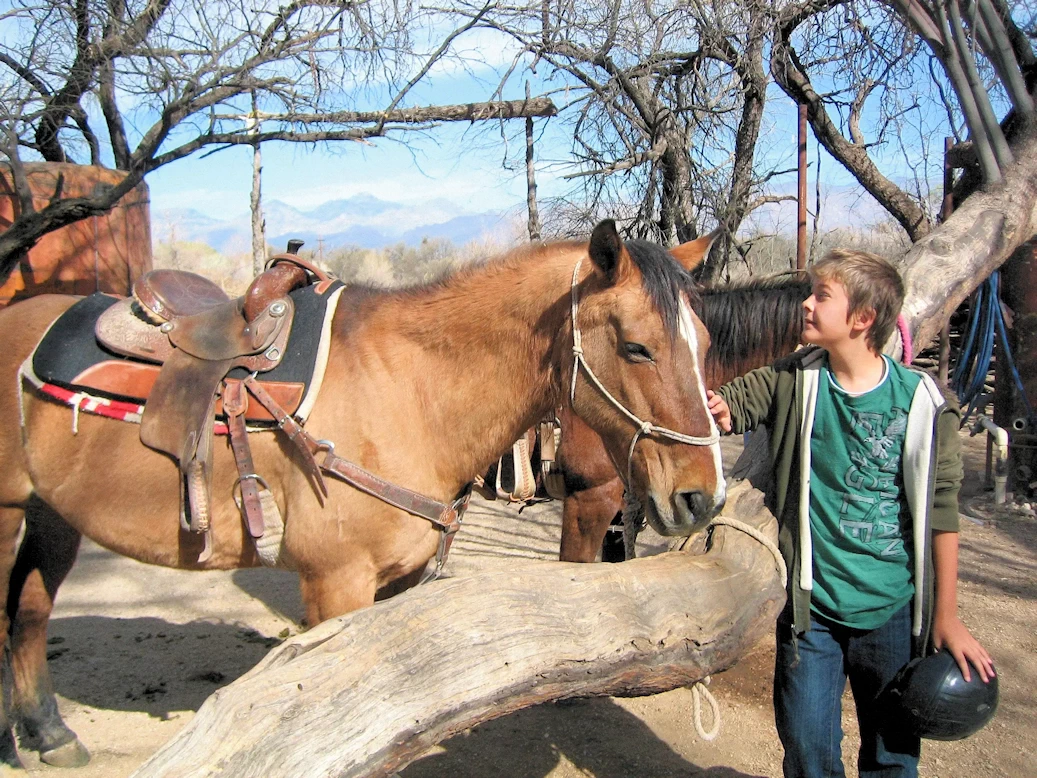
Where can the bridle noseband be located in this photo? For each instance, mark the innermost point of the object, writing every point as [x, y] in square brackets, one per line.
[643, 428]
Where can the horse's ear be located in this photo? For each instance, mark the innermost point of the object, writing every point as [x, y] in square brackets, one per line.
[606, 249]
[691, 254]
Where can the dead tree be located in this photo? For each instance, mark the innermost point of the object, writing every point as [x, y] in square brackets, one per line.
[367, 693]
[183, 73]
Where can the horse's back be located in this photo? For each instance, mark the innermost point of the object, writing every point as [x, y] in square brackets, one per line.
[27, 320]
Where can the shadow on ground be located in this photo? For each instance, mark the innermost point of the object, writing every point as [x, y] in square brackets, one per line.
[598, 737]
[277, 589]
[146, 664]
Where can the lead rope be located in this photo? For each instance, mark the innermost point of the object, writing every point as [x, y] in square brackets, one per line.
[754, 533]
[698, 693]
[699, 690]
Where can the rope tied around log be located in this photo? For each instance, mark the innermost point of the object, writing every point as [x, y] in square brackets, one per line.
[699, 690]
[754, 533]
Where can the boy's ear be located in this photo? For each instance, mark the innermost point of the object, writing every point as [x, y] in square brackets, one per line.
[863, 319]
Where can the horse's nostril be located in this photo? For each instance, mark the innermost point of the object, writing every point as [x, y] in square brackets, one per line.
[698, 503]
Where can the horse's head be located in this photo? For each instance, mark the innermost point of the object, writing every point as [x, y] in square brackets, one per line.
[638, 378]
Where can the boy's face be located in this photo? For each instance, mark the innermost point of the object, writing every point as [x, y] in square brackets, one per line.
[826, 316]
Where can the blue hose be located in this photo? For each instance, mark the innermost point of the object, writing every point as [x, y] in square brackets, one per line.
[986, 323]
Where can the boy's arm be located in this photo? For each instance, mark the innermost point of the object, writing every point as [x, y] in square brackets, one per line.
[948, 631]
[747, 399]
[949, 470]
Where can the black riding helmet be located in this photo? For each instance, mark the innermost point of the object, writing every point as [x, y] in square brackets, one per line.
[931, 699]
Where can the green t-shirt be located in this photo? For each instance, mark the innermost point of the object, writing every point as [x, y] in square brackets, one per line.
[860, 527]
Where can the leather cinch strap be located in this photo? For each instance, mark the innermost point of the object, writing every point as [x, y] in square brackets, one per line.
[235, 401]
[446, 517]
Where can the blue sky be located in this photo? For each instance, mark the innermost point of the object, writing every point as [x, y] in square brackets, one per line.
[457, 163]
[460, 162]
[462, 167]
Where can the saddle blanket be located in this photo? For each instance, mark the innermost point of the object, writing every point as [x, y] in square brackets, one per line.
[70, 365]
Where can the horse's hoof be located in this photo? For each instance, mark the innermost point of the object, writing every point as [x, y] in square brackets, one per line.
[71, 754]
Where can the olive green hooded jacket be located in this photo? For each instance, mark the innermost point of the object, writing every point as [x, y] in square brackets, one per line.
[783, 398]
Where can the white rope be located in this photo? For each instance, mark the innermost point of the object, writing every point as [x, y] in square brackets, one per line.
[699, 690]
[698, 693]
[752, 532]
[76, 400]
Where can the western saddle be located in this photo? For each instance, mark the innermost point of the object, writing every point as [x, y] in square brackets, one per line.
[198, 334]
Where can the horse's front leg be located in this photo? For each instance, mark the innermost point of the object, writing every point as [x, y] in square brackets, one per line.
[586, 516]
[330, 593]
[47, 553]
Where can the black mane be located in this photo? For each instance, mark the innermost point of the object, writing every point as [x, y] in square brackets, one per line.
[753, 323]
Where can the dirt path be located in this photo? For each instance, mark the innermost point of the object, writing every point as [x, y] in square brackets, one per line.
[135, 650]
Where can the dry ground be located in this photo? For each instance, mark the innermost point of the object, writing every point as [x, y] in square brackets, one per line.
[135, 650]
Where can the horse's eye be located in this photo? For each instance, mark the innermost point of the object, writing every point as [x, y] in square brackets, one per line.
[637, 353]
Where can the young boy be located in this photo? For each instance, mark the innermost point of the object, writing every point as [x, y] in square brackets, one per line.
[866, 467]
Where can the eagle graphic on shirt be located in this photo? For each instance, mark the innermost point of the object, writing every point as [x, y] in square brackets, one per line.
[872, 476]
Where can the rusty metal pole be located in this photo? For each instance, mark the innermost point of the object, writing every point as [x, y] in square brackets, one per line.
[801, 198]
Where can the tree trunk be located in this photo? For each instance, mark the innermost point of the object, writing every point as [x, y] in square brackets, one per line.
[943, 268]
[256, 207]
[365, 694]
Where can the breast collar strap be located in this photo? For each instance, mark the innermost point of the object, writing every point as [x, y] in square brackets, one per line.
[643, 428]
[446, 517]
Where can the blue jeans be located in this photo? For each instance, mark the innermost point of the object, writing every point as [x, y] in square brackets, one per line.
[809, 677]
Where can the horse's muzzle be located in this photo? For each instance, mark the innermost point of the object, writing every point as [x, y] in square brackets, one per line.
[686, 513]
[700, 505]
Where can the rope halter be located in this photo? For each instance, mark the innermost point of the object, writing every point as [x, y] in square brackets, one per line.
[642, 428]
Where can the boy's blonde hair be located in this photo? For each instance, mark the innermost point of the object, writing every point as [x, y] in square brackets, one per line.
[871, 283]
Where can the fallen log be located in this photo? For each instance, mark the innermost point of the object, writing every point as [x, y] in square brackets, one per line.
[366, 694]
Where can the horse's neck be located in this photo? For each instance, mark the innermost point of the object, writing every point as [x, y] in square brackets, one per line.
[751, 325]
[491, 340]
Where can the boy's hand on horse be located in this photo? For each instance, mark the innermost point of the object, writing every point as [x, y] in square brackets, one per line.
[721, 413]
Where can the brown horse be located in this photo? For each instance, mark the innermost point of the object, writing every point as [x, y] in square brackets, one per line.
[412, 392]
[750, 325]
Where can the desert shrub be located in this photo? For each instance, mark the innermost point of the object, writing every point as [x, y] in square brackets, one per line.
[231, 273]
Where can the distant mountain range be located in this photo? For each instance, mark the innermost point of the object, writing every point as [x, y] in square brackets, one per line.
[362, 220]
[369, 222]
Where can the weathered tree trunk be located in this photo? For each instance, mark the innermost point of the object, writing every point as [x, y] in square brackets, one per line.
[256, 207]
[943, 268]
[365, 694]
